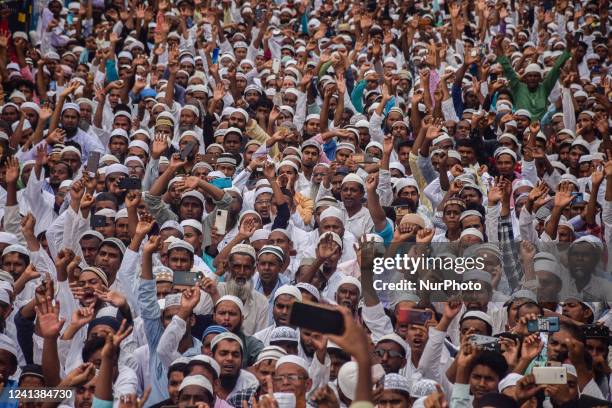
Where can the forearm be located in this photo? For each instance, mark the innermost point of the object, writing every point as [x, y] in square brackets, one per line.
[104, 383]
[50, 362]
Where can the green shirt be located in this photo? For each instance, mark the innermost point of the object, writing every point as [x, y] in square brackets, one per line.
[535, 102]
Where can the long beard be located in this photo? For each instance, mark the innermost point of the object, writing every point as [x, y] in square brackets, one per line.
[243, 291]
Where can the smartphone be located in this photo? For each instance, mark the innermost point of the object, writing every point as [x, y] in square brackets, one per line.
[418, 317]
[188, 153]
[130, 183]
[98, 221]
[186, 278]
[543, 324]
[596, 331]
[210, 159]
[359, 158]
[550, 375]
[221, 221]
[488, 343]
[493, 77]
[578, 197]
[224, 182]
[577, 36]
[93, 161]
[207, 32]
[70, 18]
[215, 56]
[316, 318]
[276, 65]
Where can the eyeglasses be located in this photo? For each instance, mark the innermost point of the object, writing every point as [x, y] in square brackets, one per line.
[289, 377]
[392, 353]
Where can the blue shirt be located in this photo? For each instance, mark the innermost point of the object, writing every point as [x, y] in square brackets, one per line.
[282, 280]
[151, 316]
[5, 402]
[387, 233]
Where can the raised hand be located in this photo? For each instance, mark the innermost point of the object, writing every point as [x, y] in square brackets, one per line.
[190, 299]
[145, 224]
[133, 199]
[247, 228]
[110, 296]
[27, 225]
[80, 375]
[327, 247]
[153, 245]
[83, 315]
[564, 196]
[12, 170]
[113, 341]
[48, 322]
[425, 235]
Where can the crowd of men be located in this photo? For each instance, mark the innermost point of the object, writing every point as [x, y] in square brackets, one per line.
[176, 174]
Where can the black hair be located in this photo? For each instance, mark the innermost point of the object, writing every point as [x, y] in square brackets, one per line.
[70, 172]
[575, 331]
[497, 400]
[493, 360]
[106, 196]
[477, 207]
[91, 346]
[405, 143]
[177, 367]
[122, 107]
[74, 144]
[465, 143]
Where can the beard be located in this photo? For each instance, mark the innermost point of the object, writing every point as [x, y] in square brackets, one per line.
[184, 128]
[228, 382]
[243, 291]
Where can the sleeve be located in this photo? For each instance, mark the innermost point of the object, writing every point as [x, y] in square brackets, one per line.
[168, 342]
[510, 255]
[25, 335]
[491, 220]
[126, 279]
[151, 173]
[509, 72]
[429, 364]
[150, 312]
[528, 169]
[357, 95]
[569, 113]
[377, 321]
[300, 111]
[376, 131]
[159, 209]
[448, 110]
[607, 220]
[319, 372]
[64, 295]
[33, 193]
[457, 99]
[384, 189]
[12, 222]
[241, 179]
[526, 226]
[427, 169]
[553, 75]
[434, 192]
[460, 396]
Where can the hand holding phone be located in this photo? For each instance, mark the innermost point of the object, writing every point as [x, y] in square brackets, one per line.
[316, 318]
